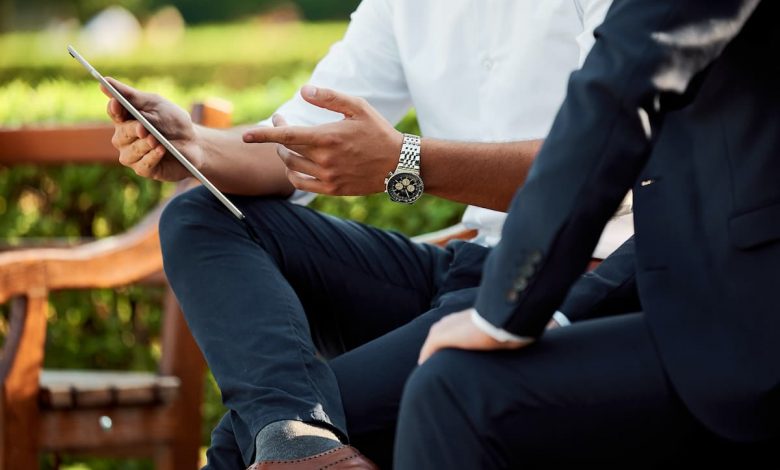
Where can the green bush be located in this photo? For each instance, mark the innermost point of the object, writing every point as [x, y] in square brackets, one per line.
[119, 329]
[237, 55]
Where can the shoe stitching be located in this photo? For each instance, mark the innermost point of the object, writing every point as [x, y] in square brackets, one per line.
[331, 465]
[305, 459]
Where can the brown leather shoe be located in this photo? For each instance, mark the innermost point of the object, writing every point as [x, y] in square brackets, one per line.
[340, 458]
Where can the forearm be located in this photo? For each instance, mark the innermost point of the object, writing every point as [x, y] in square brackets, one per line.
[239, 168]
[480, 174]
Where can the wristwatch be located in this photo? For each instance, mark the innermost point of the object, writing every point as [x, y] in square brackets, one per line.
[404, 184]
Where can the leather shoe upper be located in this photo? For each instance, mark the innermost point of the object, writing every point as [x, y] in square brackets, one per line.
[340, 458]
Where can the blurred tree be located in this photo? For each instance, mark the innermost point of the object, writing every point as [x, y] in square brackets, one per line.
[6, 14]
[326, 9]
[26, 14]
[34, 14]
[196, 11]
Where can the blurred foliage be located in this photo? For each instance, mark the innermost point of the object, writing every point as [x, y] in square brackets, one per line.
[120, 329]
[258, 52]
[193, 11]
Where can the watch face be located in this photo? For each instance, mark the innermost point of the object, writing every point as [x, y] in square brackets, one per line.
[405, 187]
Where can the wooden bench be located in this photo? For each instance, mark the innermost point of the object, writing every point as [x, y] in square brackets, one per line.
[116, 414]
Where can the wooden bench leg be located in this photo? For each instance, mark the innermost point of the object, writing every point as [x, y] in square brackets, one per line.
[183, 359]
[19, 374]
[178, 456]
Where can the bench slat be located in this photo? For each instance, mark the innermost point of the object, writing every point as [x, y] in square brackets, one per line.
[62, 389]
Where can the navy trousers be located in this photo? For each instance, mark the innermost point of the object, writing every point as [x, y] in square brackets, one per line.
[593, 394]
[311, 318]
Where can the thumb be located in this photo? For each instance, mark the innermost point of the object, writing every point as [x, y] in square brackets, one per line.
[332, 100]
[137, 98]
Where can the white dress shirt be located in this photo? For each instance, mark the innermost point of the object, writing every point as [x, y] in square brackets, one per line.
[474, 70]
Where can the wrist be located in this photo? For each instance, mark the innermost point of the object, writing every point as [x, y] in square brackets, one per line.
[404, 184]
[396, 140]
[199, 146]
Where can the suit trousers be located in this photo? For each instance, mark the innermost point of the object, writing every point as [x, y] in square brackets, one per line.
[594, 392]
[310, 318]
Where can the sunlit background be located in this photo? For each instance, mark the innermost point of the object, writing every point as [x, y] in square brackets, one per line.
[253, 53]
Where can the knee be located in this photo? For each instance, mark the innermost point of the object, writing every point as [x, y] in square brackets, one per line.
[189, 210]
[434, 382]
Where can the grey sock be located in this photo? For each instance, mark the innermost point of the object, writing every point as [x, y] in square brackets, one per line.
[287, 440]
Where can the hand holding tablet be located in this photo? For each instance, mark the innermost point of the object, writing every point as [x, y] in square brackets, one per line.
[135, 113]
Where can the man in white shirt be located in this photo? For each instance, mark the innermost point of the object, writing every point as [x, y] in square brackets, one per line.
[262, 304]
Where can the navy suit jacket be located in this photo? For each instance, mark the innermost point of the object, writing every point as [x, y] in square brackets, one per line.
[679, 100]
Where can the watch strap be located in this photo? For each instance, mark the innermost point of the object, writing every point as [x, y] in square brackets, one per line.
[410, 154]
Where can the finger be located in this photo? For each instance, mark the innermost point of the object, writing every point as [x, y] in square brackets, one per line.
[141, 131]
[136, 151]
[287, 135]
[295, 162]
[332, 100]
[431, 344]
[125, 133]
[116, 112]
[147, 165]
[278, 120]
[309, 184]
[105, 91]
[138, 98]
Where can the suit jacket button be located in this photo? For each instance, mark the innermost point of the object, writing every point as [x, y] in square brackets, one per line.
[535, 257]
[511, 296]
[527, 270]
[520, 284]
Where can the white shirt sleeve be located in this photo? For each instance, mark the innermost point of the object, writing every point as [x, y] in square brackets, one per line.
[504, 336]
[365, 63]
[592, 13]
[561, 319]
[493, 331]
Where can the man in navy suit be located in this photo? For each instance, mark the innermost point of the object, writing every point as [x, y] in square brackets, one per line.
[678, 101]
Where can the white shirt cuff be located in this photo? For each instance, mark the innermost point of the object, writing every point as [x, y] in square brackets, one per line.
[561, 319]
[496, 333]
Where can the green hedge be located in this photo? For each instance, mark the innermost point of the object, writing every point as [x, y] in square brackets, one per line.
[237, 55]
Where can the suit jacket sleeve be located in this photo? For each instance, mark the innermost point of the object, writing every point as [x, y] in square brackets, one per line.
[646, 55]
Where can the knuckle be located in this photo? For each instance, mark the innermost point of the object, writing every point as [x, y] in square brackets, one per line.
[332, 188]
[115, 140]
[361, 102]
[326, 160]
[330, 140]
[327, 176]
[144, 168]
[136, 147]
